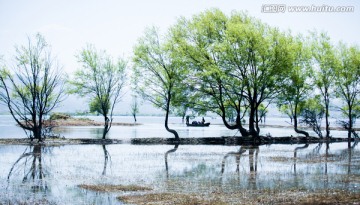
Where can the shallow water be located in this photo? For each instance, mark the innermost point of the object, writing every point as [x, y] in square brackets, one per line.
[154, 127]
[52, 174]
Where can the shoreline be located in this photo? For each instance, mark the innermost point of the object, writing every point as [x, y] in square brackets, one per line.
[83, 122]
[226, 141]
[88, 122]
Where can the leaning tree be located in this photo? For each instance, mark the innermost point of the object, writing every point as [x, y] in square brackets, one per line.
[347, 80]
[237, 63]
[33, 87]
[296, 88]
[160, 72]
[324, 66]
[101, 80]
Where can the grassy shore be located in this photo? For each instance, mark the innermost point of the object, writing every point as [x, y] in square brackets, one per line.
[148, 196]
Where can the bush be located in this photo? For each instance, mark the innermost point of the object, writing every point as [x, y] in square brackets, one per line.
[59, 116]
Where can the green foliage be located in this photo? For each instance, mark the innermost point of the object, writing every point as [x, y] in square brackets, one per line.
[236, 65]
[324, 66]
[296, 87]
[96, 106]
[134, 107]
[314, 104]
[59, 116]
[158, 70]
[313, 113]
[236, 62]
[101, 79]
[347, 81]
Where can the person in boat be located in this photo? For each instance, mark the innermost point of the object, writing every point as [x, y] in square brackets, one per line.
[187, 119]
[203, 121]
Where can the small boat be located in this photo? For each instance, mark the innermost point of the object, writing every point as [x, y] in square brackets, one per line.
[198, 124]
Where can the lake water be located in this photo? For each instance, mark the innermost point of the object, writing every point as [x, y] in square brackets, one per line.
[51, 174]
[154, 127]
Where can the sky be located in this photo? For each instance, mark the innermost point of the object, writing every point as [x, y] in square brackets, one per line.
[115, 25]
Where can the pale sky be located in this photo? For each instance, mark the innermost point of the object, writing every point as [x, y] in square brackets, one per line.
[115, 25]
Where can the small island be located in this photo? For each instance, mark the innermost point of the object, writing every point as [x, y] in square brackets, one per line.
[62, 119]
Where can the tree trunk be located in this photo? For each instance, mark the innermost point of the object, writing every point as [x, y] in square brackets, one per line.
[134, 117]
[167, 118]
[327, 124]
[37, 133]
[350, 124]
[252, 130]
[257, 121]
[296, 127]
[242, 130]
[106, 126]
[238, 124]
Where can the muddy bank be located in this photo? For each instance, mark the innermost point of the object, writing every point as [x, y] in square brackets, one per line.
[182, 141]
[248, 197]
[83, 122]
[58, 141]
[236, 140]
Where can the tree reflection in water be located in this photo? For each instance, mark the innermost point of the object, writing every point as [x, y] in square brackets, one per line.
[106, 159]
[295, 154]
[166, 158]
[325, 159]
[253, 161]
[30, 168]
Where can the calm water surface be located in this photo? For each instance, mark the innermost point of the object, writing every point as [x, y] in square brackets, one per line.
[154, 127]
[51, 174]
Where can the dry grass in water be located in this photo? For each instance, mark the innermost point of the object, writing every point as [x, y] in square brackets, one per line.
[248, 197]
[113, 188]
[169, 198]
[332, 197]
[281, 159]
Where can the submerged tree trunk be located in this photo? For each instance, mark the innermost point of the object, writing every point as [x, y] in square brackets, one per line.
[327, 123]
[134, 115]
[167, 118]
[107, 125]
[350, 123]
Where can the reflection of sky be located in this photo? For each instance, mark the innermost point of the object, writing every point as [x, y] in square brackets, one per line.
[191, 169]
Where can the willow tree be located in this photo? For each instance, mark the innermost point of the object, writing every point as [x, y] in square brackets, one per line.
[257, 59]
[296, 88]
[237, 64]
[33, 87]
[348, 83]
[160, 72]
[135, 104]
[197, 41]
[324, 71]
[101, 80]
